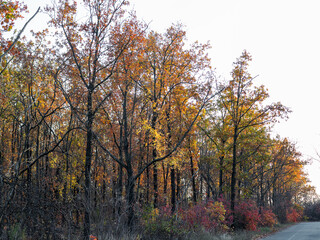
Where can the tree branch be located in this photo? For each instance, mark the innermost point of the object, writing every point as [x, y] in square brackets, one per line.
[19, 35]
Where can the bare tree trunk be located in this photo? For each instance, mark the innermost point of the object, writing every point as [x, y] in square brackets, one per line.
[148, 185]
[261, 202]
[165, 173]
[155, 167]
[178, 185]
[221, 175]
[201, 186]
[119, 192]
[130, 198]
[173, 190]
[87, 172]
[234, 171]
[194, 190]
[155, 185]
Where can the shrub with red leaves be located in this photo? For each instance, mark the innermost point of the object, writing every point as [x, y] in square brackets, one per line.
[295, 213]
[246, 215]
[292, 215]
[210, 215]
[267, 218]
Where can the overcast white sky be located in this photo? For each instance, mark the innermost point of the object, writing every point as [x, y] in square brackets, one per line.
[283, 37]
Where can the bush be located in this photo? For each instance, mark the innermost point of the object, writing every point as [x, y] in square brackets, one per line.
[207, 216]
[292, 215]
[267, 218]
[295, 213]
[160, 222]
[228, 214]
[210, 216]
[246, 215]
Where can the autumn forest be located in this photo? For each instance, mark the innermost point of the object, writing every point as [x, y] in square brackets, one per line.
[107, 126]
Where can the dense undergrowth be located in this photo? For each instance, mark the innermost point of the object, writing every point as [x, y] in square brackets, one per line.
[213, 220]
[203, 220]
[210, 220]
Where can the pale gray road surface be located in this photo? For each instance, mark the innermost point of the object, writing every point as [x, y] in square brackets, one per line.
[300, 231]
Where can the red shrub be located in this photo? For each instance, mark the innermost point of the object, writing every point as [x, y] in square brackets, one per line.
[209, 215]
[268, 218]
[165, 211]
[295, 213]
[246, 215]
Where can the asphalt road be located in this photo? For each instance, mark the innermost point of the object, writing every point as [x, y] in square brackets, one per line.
[301, 231]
